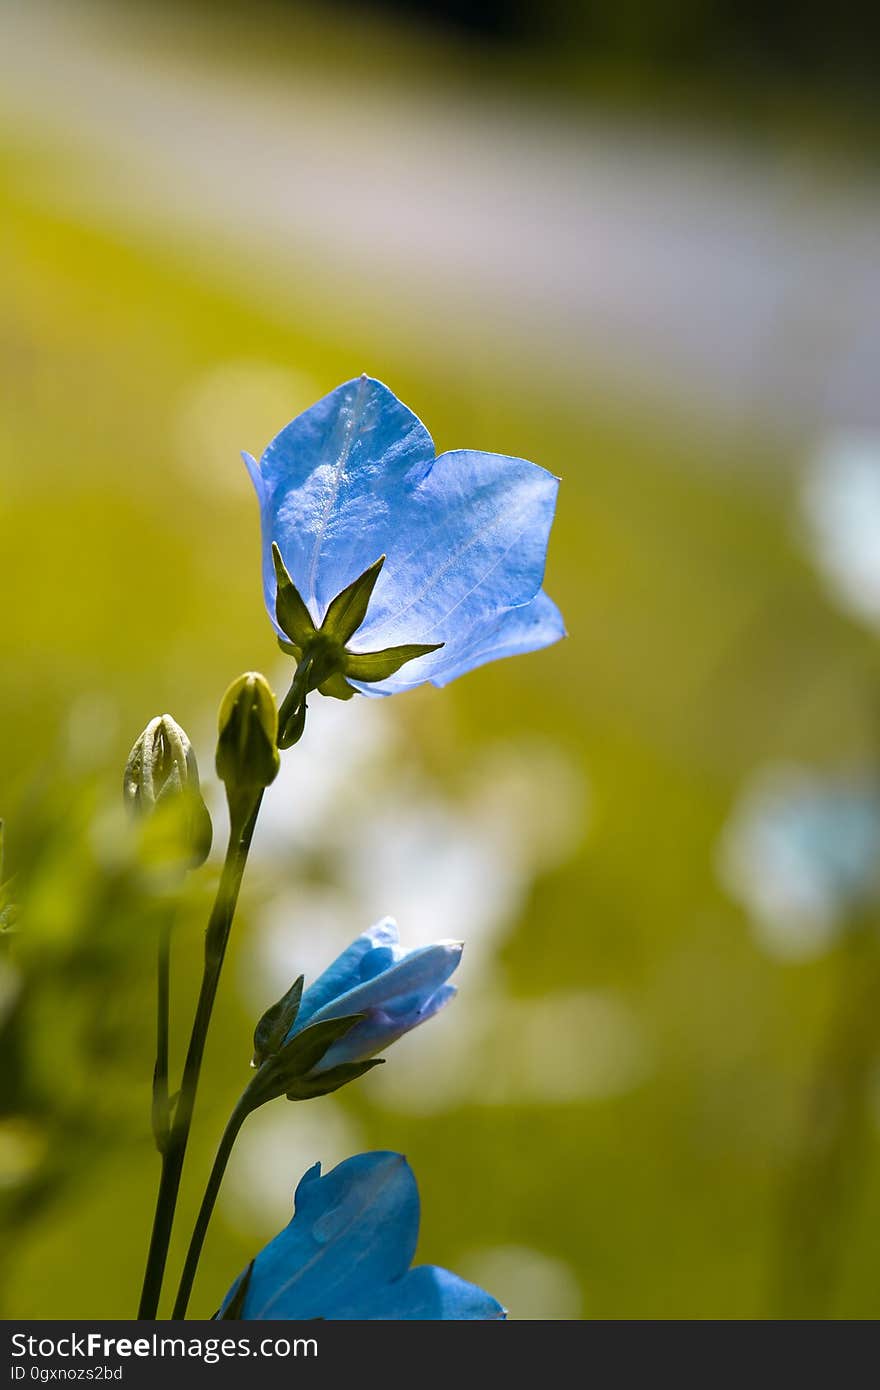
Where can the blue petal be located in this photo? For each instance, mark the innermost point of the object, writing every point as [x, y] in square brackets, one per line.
[345, 972]
[381, 1028]
[511, 633]
[426, 1294]
[330, 486]
[353, 1231]
[415, 977]
[471, 542]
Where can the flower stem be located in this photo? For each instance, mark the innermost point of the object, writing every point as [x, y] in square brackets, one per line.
[292, 711]
[230, 1134]
[217, 935]
[161, 1115]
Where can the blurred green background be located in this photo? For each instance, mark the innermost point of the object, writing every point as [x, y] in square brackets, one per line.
[646, 259]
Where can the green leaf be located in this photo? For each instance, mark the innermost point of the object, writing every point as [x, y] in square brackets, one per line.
[276, 1023]
[293, 616]
[337, 686]
[348, 609]
[377, 666]
[235, 1306]
[307, 1087]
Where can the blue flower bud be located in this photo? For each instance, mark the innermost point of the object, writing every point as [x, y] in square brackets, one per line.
[313, 1042]
[391, 989]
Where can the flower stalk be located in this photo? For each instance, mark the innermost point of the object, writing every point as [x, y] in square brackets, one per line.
[173, 1157]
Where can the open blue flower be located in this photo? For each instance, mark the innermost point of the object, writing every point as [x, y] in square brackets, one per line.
[464, 537]
[347, 1251]
[394, 989]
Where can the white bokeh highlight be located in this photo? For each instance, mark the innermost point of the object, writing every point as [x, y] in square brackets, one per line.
[801, 853]
[531, 1284]
[841, 510]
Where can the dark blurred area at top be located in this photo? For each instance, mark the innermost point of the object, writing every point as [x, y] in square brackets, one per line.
[831, 46]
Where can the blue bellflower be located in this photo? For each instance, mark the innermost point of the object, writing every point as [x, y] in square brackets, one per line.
[394, 989]
[347, 1251]
[464, 537]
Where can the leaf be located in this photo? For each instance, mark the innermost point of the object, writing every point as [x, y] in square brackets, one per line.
[291, 612]
[276, 1023]
[349, 608]
[326, 1081]
[377, 666]
[235, 1306]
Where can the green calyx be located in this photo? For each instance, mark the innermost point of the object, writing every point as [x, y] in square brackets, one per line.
[286, 1066]
[324, 662]
[276, 1023]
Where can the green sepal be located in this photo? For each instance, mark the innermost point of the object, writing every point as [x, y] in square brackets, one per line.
[349, 608]
[276, 1023]
[296, 1058]
[200, 830]
[377, 666]
[337, 686]
[323, 660]
[307, 1087]
[291, 613]
[235, 1306]
[306, 1049]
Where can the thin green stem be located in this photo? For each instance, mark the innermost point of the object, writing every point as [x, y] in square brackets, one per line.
[230, 1134]
[292, 711]
[216, 938]
[161, 1116]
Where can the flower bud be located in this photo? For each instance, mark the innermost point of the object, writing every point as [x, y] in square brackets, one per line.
[247, 749]
[162, 773]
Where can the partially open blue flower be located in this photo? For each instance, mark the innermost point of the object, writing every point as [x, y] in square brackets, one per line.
[394, 989]
[346, 1254]
[465, 536]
